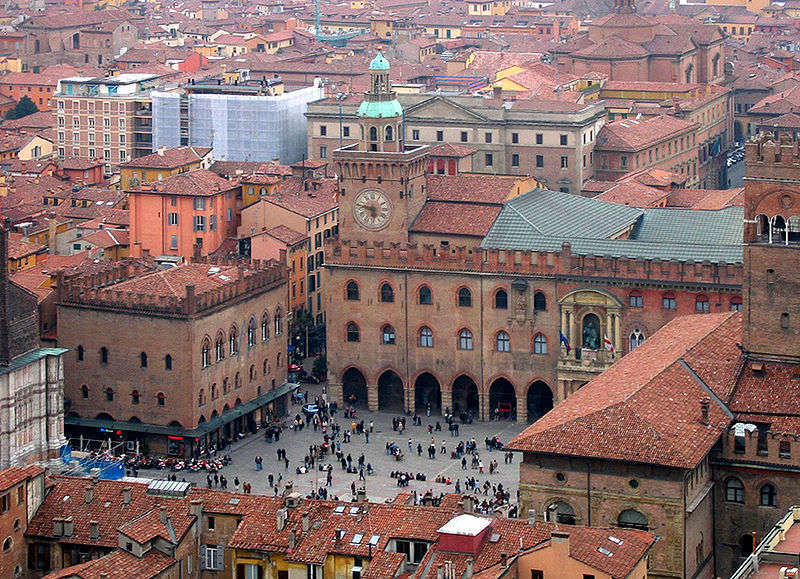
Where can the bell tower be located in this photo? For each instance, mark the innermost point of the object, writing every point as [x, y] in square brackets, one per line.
[381, 179]
[772, 247]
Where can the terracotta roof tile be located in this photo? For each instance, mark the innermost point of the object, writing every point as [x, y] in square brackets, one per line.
[635, 135]
[472, 188]
[12, 476]
[169, 158]
[200, 182]
[286, 235]
[119, 564]
[455, 218]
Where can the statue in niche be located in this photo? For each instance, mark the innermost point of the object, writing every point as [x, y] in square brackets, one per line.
[591, 332]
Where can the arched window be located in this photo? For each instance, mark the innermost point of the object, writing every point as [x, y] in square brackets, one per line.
[264, 368]
[278, 322]
[425, 337]
[734, 490]
[233, 341]
[352, 291]
[540, 344]
[109, 394]
[84, 392]
[501, 300]
[465, 340]
[265, 327]
[539, 302]
[214, 392]
[143, 359]
[252, 372]
[635, 299]
[794, 229]
[425, 296]
[7, 544]
[80, 353]
[205, 353]
[220, 348]
[353, 335]
[387, 334]
[632, 519]
[561, 512]
[167, 362]
[201, 397]
[464, 298]
[135, 397]
[251, 333]
[389, 133]
[161, 398]
[104, 355]
[701, 304]
[225, 386]
[635, 339]
[762, 227]
[373, 133]
[387, 293]
[769, 496]
[237, 381]
[735, 304]
[778, 230]
[669, 301]
[503, 342]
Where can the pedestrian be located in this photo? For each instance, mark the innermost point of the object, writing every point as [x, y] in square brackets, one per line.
[223, 482]
[329, 478]
[419, 449]
[270, 479]
[463, 463]
[361, 474]
[371, 426]
[410, 444]
[353, 487]
[480, 466]
[286, 462]
[444, 448]
[236, 484]
[366, 434]
[208, 481]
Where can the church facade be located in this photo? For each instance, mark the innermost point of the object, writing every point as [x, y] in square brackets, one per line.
[472, 293]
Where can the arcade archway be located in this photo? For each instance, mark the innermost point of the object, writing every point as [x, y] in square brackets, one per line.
[354, 388]
[502, 399]
[390, 392]
[539, 400]
[465, 396]
[427, 392]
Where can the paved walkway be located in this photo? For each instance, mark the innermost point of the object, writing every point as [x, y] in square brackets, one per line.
[380, 486]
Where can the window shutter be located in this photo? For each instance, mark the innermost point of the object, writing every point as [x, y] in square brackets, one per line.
[203, 557]
[220, 559]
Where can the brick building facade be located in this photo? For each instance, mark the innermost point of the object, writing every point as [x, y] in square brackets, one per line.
[226, 377]
[21, 493]
[467, 287]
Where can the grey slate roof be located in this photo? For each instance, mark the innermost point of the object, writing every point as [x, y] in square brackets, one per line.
[542, 220]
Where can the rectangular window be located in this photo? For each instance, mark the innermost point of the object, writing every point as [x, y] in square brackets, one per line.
[669, 303]
[212, 223]
[540, 161]
[92, 153]
[317, 241]
[122, 124]
[106, 155]
[515, 138]
[515, 160]
[489, 159]
[623, 161]
[199, 203]
[173, 242]
[564, 162]
[440, 135]
[346, 131]
[323, 152]
[312, 283]
[123, 156]
[636, 301]
[487, 137]
[323, 130]
[563, 140]
[122, 140]
[464, 136]
[415, 134]
[106, 139]
[199, 223]
[229, 215]
[539, 138]
[537, 574]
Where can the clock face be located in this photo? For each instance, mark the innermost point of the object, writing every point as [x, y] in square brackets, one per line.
[372, 209]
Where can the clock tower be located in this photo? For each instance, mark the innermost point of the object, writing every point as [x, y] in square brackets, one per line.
[381, 179]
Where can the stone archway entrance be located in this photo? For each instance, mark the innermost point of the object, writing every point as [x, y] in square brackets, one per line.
[427, 391]
[539, 400]
[502, 399]
[390, 392]
[465, 396]
[354, 388]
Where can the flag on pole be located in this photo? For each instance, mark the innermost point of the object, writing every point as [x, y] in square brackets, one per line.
[609, 346]
[564, 341]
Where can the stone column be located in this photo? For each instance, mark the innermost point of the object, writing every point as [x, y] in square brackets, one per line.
[372, 397]
[522, 408]
[483, 405]
[447, 398]
[617, 335]
[574, 342]
[335, 393]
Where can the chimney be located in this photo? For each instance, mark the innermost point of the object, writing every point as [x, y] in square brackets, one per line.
[561, 538]
[468, 570]
[497, 92]
[161, 150]
[503, 560]
[439, 572]
[361, 495]
[281, 519]
[5, 347]
[292, 540]
[94, 530]
[89, 494]
[531, 517]
[126, 496]
[306, 523]
[197, 508]
[162, 514]
[58, 527]
[705, 403]
[69, 527]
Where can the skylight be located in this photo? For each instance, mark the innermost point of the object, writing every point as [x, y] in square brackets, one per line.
[604, 551]
[339, 509]
[373, 540]
[614, 539]
[356, 540]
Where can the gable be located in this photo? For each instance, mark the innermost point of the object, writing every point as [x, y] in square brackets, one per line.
[438, 108]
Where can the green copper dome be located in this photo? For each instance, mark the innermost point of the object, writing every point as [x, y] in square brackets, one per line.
[379, 63]
[380, 109]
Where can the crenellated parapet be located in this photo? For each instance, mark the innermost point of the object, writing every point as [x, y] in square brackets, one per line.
[107, 289]
[768, 152]
[527, 263]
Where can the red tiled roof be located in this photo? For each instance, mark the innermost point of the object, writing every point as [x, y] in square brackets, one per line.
[633, 193]
[636, 134]
[173, 281]
[292, 195]
[106, 238]
[119, 564]
[12, 476]
[200, 182]
[455, 218]
[451, 150]
[19, 247]
[169, 158]
[649, 410]
[286, 235]
[471, 188]
[771, 393]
